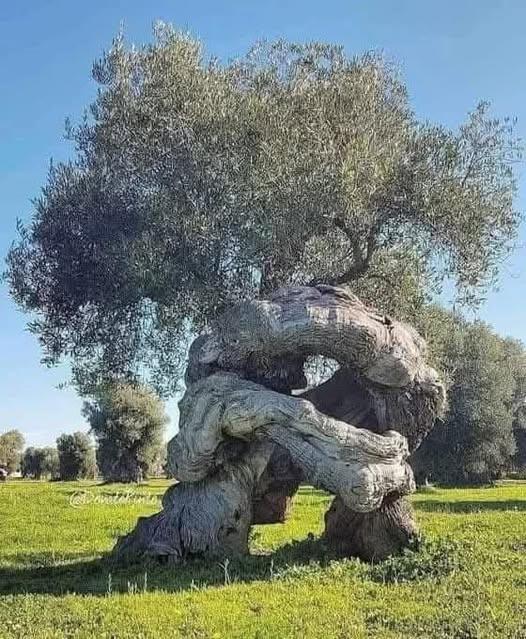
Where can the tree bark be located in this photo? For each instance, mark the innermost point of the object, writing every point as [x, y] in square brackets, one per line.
[209, 517]
[371, 536]
[383, 532]
[245, 442]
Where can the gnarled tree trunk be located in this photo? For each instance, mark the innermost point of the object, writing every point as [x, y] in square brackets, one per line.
[246, 442]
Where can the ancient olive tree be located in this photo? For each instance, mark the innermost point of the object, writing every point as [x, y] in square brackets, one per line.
[76, 456]
[248, 435]
[196, 184]
[128, 422]
[221, 200]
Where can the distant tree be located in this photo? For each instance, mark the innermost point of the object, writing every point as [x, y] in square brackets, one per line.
[29, 465]
[50, 464]
[160, 468]
[128, 422]
[76, 456]
[519, 431]
[40, 462]
[516, 353]
[196, 184]
[475, 442]
[11, 446]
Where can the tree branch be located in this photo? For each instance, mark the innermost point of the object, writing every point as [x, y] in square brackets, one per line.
[361, 258]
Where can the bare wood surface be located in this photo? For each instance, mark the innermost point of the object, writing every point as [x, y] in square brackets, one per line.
[245, 442]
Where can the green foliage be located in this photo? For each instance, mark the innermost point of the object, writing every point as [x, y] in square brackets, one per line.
[54, 583]
[516, 354]
[29, 465]
[50, 465]
[40, 462]
[428, 559]
[76, 456]
[197, 183]
[11, 445]
[128, 422]
[475, 442]
[519, 460]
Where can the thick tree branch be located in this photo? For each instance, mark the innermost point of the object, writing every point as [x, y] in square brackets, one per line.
[361, 257]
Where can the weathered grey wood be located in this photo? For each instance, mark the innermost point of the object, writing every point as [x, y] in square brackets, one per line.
[245, 442]
[205, 518]
[371, 536]
[357, 464]
[296, 322]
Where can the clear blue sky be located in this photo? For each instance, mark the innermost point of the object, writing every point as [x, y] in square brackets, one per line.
[452, 53]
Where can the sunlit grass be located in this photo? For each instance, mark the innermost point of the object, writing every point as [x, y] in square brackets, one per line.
[53, 582]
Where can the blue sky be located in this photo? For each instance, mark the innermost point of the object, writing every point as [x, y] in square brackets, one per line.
[452, 53]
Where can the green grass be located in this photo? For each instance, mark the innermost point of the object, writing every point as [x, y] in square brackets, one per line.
[55, 582]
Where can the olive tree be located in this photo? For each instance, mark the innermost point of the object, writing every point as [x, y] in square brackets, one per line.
[516, 354]
[39, 462]
[128, 423]
[76, 456]
[196, 184]
[11, 445]
[475, 442]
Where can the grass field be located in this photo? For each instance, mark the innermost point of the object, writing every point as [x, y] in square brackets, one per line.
[55, 582]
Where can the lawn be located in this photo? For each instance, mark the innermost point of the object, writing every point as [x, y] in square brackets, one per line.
[55, 582]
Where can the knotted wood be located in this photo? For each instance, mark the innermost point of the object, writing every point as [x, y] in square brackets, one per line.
[246, 442]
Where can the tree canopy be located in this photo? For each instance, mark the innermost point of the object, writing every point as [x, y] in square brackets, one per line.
[477, 439]
[128, 422]
[40, 462]
[76, 456]
[197, 183]
[11, 445]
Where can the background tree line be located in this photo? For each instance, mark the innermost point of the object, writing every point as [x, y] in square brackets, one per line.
[483, 433]
[128, 424]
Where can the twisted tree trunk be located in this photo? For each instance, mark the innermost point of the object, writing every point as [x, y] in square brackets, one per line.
[245, 442]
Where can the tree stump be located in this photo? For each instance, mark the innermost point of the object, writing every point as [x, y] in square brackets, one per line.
[249, 435]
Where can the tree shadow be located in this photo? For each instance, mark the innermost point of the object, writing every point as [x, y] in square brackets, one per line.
[463, 507]
[102, 576]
